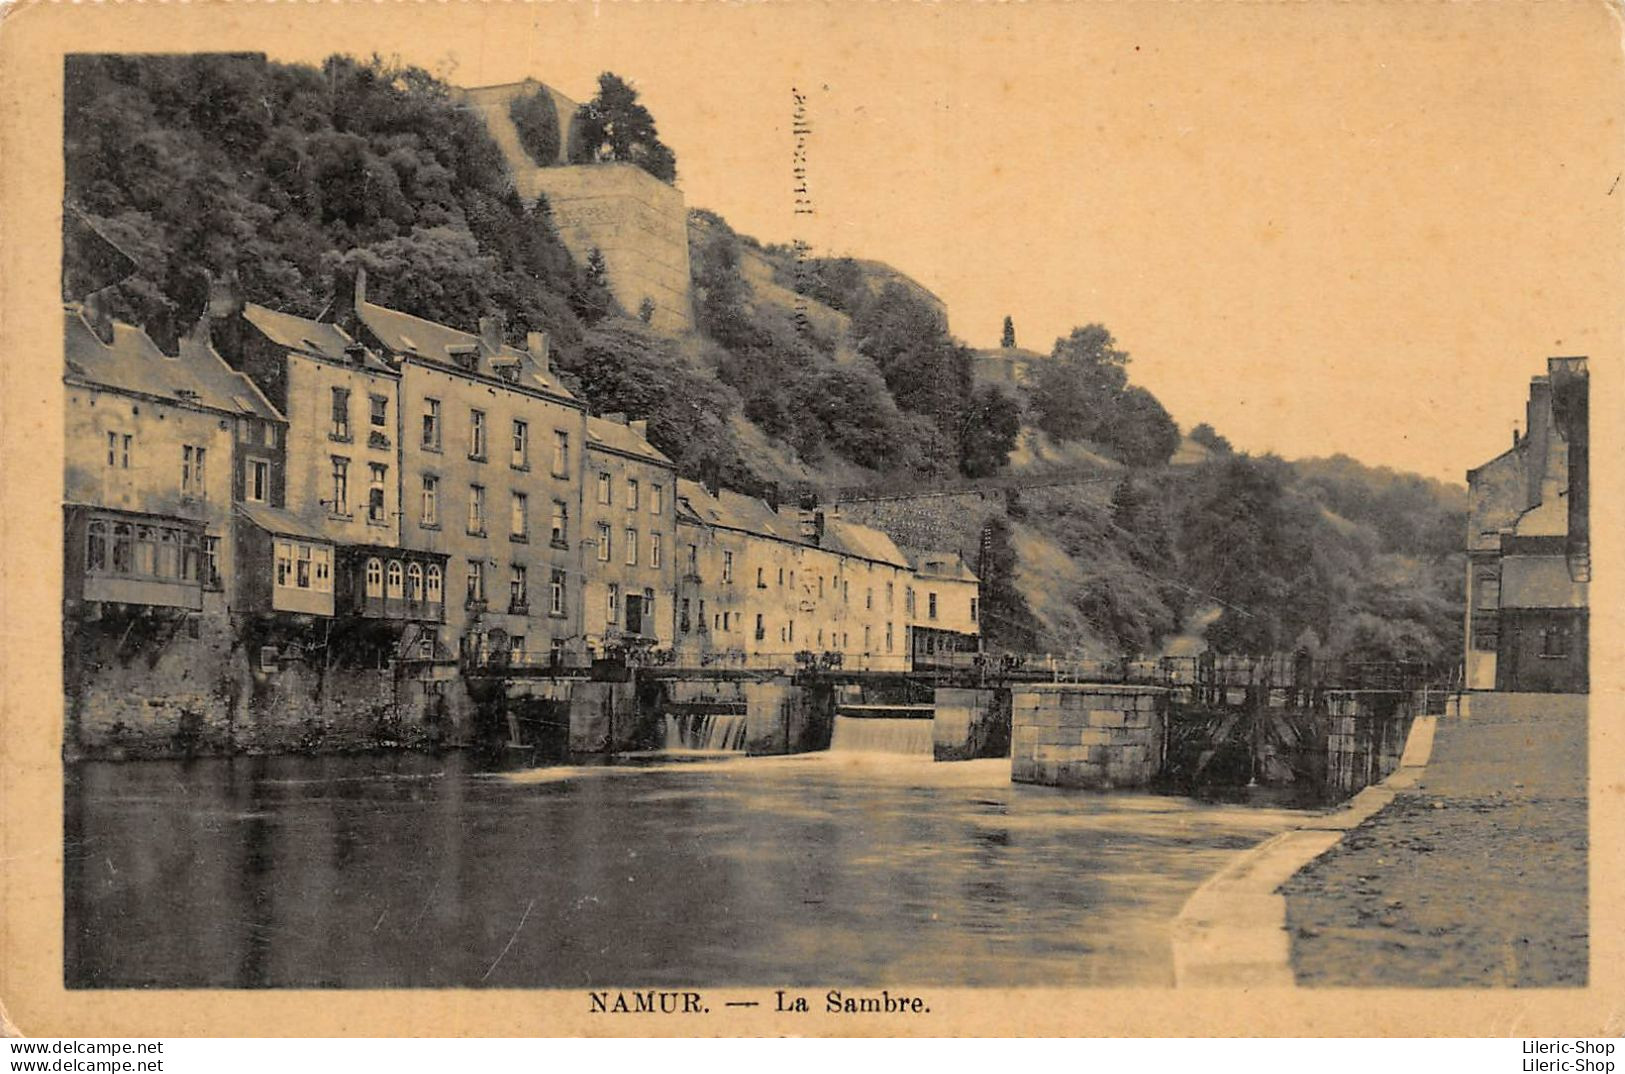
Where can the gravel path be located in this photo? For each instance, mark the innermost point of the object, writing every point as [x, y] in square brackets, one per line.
[1475, 879]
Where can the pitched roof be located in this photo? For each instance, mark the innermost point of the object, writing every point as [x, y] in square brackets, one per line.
[732, 510]
[134, 363]
[281, 523]
[949, 565]
[404, 333]
[602, 432]
[313, 337]
[866, 542]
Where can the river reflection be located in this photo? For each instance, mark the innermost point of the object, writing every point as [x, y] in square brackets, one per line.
[405, 870]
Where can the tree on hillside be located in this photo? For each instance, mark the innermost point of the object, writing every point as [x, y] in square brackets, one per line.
[1138, 430]
[536, 118]
[1008, 338]
[988, 429]
[1008, 622]
[1209, 438]
[613, 126]
[927, 371]
[1073, 392]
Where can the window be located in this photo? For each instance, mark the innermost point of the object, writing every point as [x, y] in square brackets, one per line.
[649, 612]
[516, 648]
[340, 429]
[694, 561]
[781, 576]
[682, 618]
[727, 566]
[820, 587]
[604, 488]
[211, 562]
[761, 577]
[256, 480]
[432, 584]
[123, 547]
[375, 578]
[657, 499]
[889, 593]
[340, 503]
[118, 450]
[414, 583]
[603, 542]
[521, 445]
[931, 605]
[476, 581]
[378, 411]
[702, 615]
[761, 628]
[866, 637]
[431, 424]
[96, 546]
[869, 599]
[519, 517]
[846, 591]
[631, 548]
[322, 560]
[1487, 588]
[631, 494]
[431, 500]
[908, 601]
[973, 616]
[612, 610]
[888, 637]
[192, 459]
[1555, 642]
[377, 474]
[394, 580]
[555, 593]
[561, 453]
[560, 529]
[476, 509]
[654, 550]
[517, 596]
[476, 434]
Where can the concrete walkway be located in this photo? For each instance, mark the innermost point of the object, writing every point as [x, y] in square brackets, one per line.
[1466, 867]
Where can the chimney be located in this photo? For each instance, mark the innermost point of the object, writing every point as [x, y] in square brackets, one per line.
[812, 527]
[349, 294]
[641, 427]
[491, 333]
[225, 299]
[536, 343]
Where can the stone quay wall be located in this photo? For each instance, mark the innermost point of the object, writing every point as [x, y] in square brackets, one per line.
[179, 694]
[1091, 735]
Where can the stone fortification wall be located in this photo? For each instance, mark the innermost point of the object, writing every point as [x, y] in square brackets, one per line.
[949, 522]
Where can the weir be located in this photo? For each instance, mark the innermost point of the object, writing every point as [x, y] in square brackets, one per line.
[909, 735]
[711, 732]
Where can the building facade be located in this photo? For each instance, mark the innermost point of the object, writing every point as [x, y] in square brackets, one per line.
[491, 447]
[627, 538]
[1528, 546]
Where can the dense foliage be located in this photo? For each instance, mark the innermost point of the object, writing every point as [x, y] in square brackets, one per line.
[229, 166]
[1258, 542]
[536, 118]
[1083, 393]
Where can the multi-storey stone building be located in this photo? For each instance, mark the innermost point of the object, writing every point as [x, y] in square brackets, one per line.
[629, 528]
[1528, 546]
[490, 456]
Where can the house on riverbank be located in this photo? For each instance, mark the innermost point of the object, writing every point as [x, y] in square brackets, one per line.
[1528, 546]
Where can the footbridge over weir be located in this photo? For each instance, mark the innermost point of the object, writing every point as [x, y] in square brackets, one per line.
[1180, 725]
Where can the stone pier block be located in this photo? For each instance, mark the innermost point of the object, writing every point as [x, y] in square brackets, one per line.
[1094, 735]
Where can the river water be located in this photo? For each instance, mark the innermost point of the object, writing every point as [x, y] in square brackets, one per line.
[835, 869]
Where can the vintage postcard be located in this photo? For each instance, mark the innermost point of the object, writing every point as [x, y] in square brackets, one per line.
[804, 519]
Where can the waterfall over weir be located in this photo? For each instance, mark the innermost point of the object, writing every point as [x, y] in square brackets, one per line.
[882, 734]
[706, 731]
